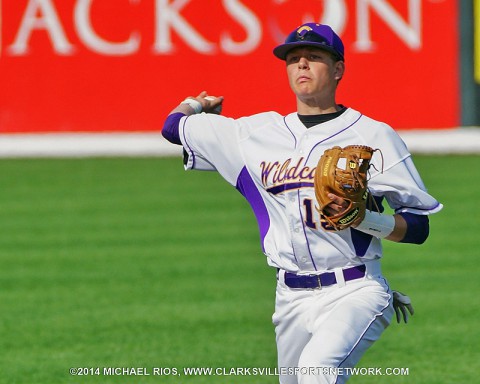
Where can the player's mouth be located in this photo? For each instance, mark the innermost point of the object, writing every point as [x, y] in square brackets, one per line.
[303, 79]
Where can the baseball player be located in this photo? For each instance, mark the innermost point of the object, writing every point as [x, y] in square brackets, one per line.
[332, 301]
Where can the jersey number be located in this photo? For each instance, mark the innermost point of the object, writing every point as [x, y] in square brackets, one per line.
[308, 204]
[309, 221]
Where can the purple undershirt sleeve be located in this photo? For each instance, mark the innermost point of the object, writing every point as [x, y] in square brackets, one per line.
[418, 228]
[170, 130]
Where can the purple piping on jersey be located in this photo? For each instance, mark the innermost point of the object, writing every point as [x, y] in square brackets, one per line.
[286, 187]
[305, 233]
[246, 186]
[328, 138]
[294, 137]
[419, 209]
[186, 143]
[381, 314]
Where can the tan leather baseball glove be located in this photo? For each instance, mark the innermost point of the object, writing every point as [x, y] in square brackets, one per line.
[343, 172]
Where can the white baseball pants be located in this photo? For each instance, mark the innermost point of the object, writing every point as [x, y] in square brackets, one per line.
[321, 330]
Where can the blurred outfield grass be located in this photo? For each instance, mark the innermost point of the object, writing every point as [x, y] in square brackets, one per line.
[132, 262]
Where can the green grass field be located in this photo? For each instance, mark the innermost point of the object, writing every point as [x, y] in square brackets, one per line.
[135, 263]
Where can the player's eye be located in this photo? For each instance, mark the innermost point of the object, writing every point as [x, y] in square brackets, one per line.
[314, 57]
[293, 59]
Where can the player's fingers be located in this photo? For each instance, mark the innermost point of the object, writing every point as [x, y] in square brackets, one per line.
[397, 314]
[410, 309]
[332, 209]
[202, 95]
[342, 203]
[213, 104]
[214, 101]
[336, 206]
[404, 313]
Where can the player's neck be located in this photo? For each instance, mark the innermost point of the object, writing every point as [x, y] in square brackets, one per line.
[306, 108]
[313, 120]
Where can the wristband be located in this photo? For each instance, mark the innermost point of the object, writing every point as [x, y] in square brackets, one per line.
[377, 224]
[195, 104]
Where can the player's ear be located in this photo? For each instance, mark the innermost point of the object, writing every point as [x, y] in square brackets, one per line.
[339, 70]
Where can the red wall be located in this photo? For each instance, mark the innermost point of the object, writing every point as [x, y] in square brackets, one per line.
[122, 65]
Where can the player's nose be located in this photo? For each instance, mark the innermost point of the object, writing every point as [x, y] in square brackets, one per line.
[303, 63]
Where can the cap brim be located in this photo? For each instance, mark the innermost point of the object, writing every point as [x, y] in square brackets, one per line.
[282, 50]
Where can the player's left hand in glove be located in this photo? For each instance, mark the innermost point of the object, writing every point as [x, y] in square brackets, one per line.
[340, 185]
[402, 305]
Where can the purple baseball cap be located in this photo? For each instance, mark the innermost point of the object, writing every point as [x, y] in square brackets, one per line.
[313, 35]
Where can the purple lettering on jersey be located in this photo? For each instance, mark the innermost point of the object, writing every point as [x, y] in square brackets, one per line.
[277, 174]
[246, 186]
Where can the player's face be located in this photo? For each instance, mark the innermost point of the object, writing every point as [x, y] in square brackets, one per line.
[313, 73]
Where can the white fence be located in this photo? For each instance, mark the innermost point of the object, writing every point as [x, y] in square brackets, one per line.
[450, 141]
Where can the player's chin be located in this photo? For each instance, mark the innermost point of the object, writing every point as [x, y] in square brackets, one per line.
[299, 86]
[305, 93]
[304, 88]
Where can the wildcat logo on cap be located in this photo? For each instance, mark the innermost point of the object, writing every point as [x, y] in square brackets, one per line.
[302, 30]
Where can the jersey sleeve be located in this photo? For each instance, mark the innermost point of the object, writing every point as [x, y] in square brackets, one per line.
[395, 177]
[404, 190]
[211, 144]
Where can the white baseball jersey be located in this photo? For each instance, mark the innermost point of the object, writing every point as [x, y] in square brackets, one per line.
[271, 160]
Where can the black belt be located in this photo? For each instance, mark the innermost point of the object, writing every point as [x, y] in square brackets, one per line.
[325, 279]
